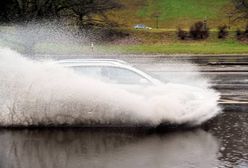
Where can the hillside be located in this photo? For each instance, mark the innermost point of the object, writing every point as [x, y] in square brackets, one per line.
[173, 13]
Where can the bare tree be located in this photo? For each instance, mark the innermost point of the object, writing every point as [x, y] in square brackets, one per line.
[241, 10]
[90, 13]
[86, 13]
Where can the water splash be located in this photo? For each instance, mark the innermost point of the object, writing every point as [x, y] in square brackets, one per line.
[41, 93]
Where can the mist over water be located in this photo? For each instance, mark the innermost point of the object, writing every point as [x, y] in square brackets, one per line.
[42, 93]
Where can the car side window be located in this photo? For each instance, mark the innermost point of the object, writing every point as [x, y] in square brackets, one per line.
[123, 76]
[90, 71]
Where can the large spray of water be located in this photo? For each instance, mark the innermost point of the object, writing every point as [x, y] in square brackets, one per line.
[42, 93]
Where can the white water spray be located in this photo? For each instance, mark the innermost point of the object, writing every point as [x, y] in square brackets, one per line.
[41, 93]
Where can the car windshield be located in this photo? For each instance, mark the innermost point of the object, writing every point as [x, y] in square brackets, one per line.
[112, 74]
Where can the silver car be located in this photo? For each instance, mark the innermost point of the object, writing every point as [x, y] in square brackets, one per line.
[111, 71]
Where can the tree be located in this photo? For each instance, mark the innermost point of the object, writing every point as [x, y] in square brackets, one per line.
[7, 10]
[27, 10]
[90, 13]
[85, 13]
[222, 33]
[241, 10]
[199, 30]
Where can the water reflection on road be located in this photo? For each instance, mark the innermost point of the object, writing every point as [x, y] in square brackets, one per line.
[220, 143]
[91, 148]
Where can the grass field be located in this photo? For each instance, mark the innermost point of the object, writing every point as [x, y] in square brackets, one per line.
[147, 42]
[226, 47]
[202, 47]
[174, 13]
[217, 47]
[181, 9]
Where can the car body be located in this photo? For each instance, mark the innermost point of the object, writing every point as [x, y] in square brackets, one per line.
[121, 74]
[142, 26]
[178, 103]
[112, 71]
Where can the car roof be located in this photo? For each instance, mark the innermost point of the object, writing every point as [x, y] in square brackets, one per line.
[91, 62]
[103, 62]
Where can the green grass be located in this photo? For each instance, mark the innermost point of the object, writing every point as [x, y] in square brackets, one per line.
[180, 9]
[162, 41]
[200, 47]
[220, 47]
[174, 13]
[153, 42]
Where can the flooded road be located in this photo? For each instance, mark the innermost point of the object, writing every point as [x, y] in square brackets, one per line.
[220, 143]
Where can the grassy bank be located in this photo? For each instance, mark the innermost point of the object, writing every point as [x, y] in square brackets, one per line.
[221, 47]
[228, 47]
[218, 47]
[174, 13]
[161, 41]
[166, 42]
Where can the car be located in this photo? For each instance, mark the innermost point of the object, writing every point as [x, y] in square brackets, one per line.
[123, 75]
[178, 103]
[112, 71]
[142, 26]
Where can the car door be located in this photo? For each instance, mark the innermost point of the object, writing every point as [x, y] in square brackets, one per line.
[125, 79]
[93, 72]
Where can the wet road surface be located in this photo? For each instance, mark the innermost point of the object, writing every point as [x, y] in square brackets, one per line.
[220, 143]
